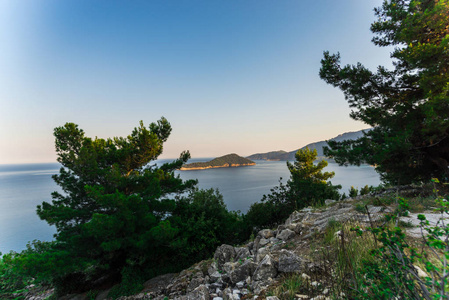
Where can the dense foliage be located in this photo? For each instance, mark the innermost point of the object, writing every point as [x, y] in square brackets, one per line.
[204, 224]
[307, 185]
[407, 106]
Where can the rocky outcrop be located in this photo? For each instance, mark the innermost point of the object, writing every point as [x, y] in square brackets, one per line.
[247, 271]
[237, 272]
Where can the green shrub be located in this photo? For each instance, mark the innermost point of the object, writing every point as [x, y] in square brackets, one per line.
[365, 190]
[392, 273]
[353, 192]
[131, 283]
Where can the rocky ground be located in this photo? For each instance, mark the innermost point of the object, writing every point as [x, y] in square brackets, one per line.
[248, 271]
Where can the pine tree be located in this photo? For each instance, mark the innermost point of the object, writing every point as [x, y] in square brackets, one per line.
[112, 213]
[407, 106]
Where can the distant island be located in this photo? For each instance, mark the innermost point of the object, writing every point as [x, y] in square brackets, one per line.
[283, 155]
[230, 160]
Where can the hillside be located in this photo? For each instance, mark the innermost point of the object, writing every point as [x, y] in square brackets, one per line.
[312, 255]
[226, 161]
[283, 155]
[274, 155]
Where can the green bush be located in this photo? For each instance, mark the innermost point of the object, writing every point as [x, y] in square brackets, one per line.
[392, 272]
[353, 192]
[308, 185]
[203, 223]
[131, 283]
[365, 190]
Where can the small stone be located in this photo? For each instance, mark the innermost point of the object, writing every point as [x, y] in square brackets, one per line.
[302, 296]
[217, 298]
[315, 283]
[329, 201]
[305, 276]
[420, 272]
[325, 291]
[272, 298]
[240, 284]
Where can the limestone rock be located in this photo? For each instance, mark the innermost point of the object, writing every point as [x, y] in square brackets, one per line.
[223, 254]
[263, 242]
[241, 253]
[266, 233]
[261, 253]
[420, 272]
[285, 234]
[296, 227]
[266, 269]
[329, 201]
[242, 271]
[289, 262]
[200, 293]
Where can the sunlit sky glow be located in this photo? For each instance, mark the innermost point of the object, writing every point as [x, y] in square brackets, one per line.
[230, 76]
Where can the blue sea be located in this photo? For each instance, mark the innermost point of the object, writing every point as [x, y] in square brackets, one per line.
[23, 187]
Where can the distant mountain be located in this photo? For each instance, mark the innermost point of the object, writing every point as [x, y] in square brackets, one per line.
[274, 155]
[230, 160]
[283, 155]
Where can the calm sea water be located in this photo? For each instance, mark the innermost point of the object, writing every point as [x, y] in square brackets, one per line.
[23, 187]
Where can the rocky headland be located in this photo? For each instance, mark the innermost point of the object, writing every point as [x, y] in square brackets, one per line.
[226, 161]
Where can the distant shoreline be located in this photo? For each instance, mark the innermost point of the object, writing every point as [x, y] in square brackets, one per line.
[216, 167]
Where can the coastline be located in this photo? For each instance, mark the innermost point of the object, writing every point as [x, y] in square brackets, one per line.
[215, 167]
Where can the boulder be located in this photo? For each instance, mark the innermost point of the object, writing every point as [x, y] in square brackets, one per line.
[261, 253]
[289, 262]
[286, 234]
[263, 242]
[296, 227]
[223, 254]
[242, 271]
[200, 293]
[195, 283]
[265, 233]
[241, 253]
[266, 269]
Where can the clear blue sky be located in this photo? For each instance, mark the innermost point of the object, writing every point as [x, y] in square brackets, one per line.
[229, 75]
